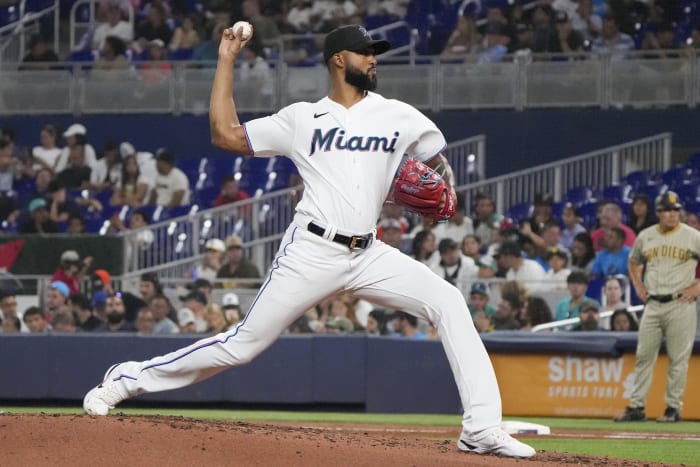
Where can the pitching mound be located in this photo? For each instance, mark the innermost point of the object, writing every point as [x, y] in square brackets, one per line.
[72, 440]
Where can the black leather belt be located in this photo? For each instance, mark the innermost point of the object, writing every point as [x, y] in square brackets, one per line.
[356, 242]
[663, 298]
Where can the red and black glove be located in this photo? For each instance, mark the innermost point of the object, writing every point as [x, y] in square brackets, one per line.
[421, 189]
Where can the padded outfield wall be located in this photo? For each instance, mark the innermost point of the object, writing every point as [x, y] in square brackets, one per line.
[554, 374]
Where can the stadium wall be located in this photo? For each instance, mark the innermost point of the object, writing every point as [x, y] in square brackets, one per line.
[561, 374]
[533, 136]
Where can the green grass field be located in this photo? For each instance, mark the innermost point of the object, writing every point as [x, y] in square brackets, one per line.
[671, 451]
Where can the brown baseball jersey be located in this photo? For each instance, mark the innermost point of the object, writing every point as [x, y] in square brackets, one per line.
[670, 257]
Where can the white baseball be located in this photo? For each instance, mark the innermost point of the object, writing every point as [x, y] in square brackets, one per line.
[242, 29]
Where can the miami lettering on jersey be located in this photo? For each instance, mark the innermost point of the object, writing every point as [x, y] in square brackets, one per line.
[335, 138]
[668, 251]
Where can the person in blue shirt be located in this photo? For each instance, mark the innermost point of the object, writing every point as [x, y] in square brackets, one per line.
[570, 307]
[612, 260]
[406, 326]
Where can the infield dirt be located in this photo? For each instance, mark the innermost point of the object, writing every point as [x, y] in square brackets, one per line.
[120, 440]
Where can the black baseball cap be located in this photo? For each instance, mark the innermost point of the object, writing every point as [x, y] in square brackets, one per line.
[352, 38]
[668, 201]
[162, 154]
[195, 295]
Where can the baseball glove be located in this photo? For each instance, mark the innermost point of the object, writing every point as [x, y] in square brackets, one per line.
[421, 189]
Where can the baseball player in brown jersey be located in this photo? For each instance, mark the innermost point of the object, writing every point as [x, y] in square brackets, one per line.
[662, 268]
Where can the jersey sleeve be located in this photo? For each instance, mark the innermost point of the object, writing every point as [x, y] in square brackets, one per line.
[428, 141]
[637, 252]
[272, 135]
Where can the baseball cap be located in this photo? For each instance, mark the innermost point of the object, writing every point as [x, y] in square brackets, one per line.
[481, 288]
[75, 129]
[215, 244]
[37, 203]
[99, 299]
[352, 38]
[199, 283]
[70, 256]
[185, 316]
[509, 249]
[164, 155]
[126, 149]
[234, 241]
[554, 251]
[104, 276]
[61, 287]
[195, 295]
[588, 305]
[446, 244]
[230, 300]
[668, 201]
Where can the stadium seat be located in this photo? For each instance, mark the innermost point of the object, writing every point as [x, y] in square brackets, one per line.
[638, 178]
[558, 208]
[519, 212]
[579, 195]
[693, 161]
[618, 193]
[687, 193]
[677, 176]
[652, 190]
[588, 213]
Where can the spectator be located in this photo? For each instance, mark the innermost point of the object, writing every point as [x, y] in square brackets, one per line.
[202, 285]
[423, 248]
[99, 304]
[216, 319]
[557, 260]
[197, 302]
[524, 37]
[71, 270]
[107, 172]
[237, 266]
[112, 55]
[76, 176]
[150, 287]
[160, 307]
[570, 307]
[40, 55]
[185, 37]
[115, 312]
[471, 248]
[75, 134]
[254, 69]
[63, 321]
[479, 296]
[486, 220]
[186, 321]
[566, 38]
[549, 238]
[338, 325]
[208, 50]
[542, 25]
[230, 191]
[393, 211]
[623, 321]
[8, 165]
[505, 317]
[571, 220]
[171, 186]
[612, 41]
[582, 253]
[344, 306]
[145, 322]
[524, 270]
[211, 263]
[47, 153]
[495, 44]
[156, 69]
[132, 188]
[628, 14]
[464, 39]
[265, 28]
[62, 207]
[589, 317]
[612, 292]
[81, 309]
[586, 21]
[35, 320]
[611, 216]
[456, 226]
[536, 311]
[11, 325]
[454, 267]
[641, 214]
[376, 323]
[102, 280]
[406, 326]
[231, 305]
[153, 27]
[113, 25]
[146, 161]
[76, 225]
[391, 232]
[612, 260]
[40, 222]
[542, 214]
[298, 19]
[8, 310]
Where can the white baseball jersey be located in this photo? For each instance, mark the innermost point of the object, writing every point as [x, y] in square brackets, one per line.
[357, 168]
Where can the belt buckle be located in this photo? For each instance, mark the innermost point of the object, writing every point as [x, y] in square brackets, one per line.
[354, 240]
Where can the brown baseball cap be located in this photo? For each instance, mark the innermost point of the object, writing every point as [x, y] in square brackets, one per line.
[352, 38]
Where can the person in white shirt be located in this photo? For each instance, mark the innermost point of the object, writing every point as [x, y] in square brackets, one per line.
[112, 26]
[75, 134]
[146, 161]
[457, 226]
[457, 269]
[558, 260]
[527, 271]
[107, 172]
[46, 155]
[172, 187]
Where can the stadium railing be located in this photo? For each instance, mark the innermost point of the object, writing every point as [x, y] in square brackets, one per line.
[519, 82]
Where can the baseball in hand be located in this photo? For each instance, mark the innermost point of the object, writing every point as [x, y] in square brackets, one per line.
[242, 29]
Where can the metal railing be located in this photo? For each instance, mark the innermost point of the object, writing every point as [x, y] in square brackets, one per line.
[522, 81]
[15, 36]
[82, 20]
[593, 169]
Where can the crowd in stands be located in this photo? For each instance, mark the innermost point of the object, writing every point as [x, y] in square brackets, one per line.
[129, 32]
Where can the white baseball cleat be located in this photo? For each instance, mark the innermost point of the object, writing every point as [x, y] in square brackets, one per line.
[497, 442]
[105, 396]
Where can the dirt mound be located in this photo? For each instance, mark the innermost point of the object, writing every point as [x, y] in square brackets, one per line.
[117, 440]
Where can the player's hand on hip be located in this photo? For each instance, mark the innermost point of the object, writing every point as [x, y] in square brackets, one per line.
[231, 45]
[642, 293]
[689, 294]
